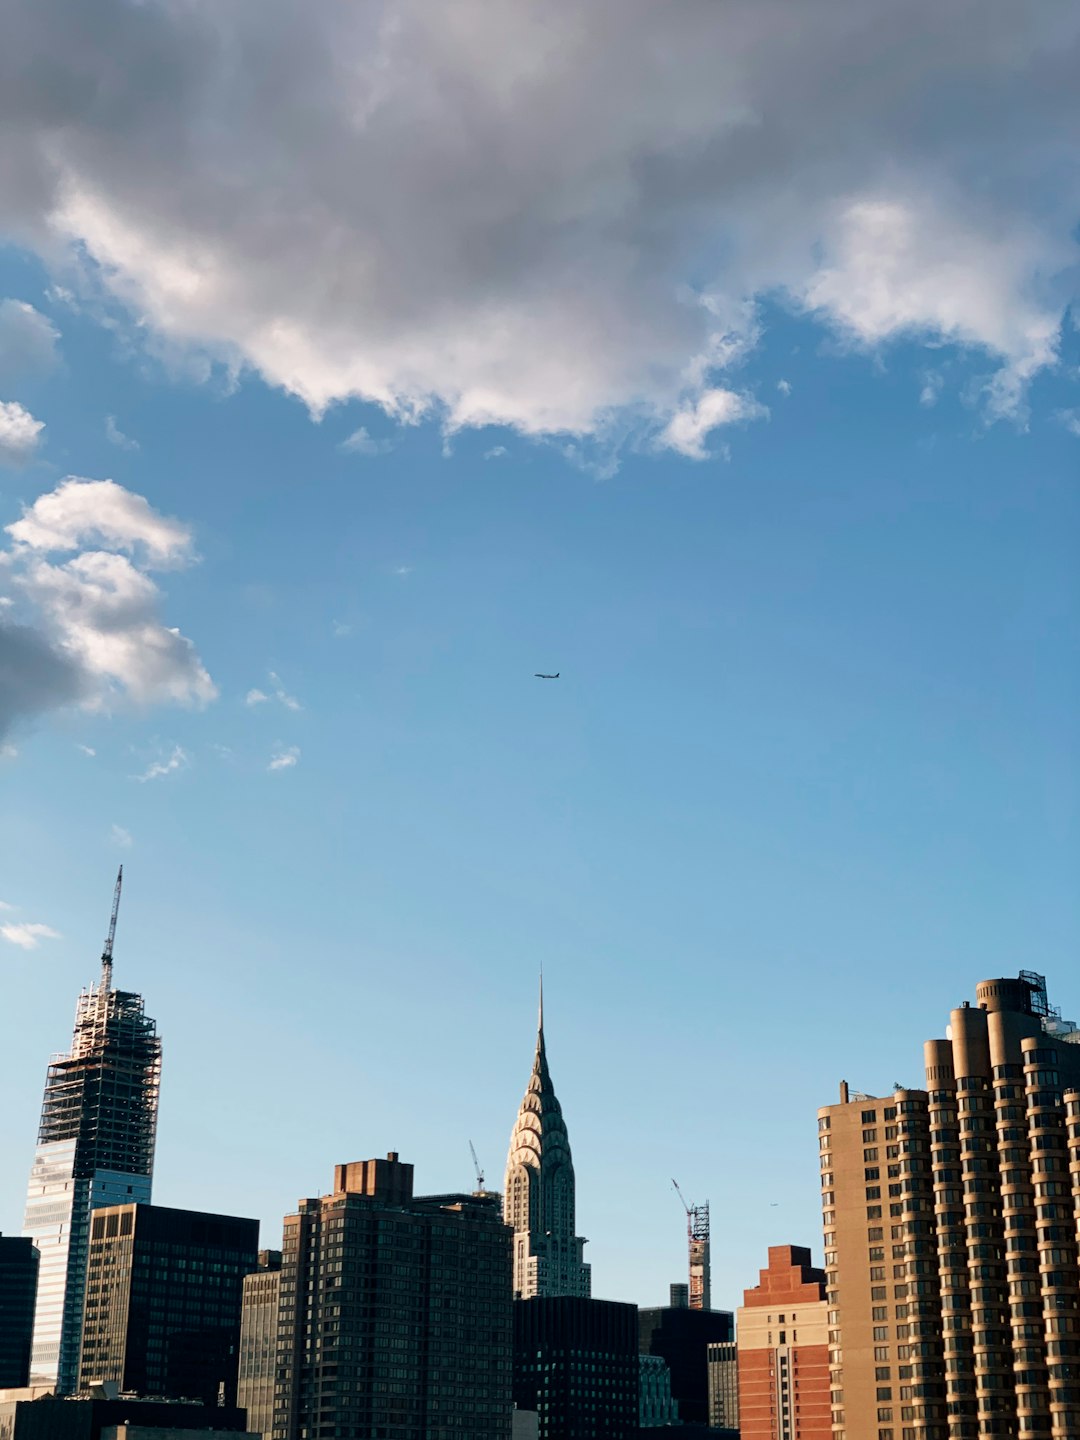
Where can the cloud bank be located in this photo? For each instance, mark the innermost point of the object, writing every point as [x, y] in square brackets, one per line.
[546, 216]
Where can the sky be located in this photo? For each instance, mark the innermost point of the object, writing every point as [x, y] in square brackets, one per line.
[354, 367]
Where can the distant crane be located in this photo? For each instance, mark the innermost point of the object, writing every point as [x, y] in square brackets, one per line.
[476, 1167]
[697, 1236]
[106, 954]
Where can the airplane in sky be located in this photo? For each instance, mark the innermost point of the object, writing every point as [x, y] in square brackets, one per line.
[539, 676]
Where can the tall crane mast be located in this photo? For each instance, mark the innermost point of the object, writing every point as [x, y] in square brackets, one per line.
[476, 1167]
[106, 954]
[697, 1238]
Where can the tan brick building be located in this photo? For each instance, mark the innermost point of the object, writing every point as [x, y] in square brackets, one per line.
[783, 1349]
[950, 1219]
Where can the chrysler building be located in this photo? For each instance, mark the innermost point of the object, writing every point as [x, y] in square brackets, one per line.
[539, 1192]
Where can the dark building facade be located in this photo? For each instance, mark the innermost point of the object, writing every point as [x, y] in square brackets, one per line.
[258, 1343]
[576, 1364]
[682, 1337]
[53, 1418]
[18, 1293]
[395, 1315]
[95, 1147]
[163, 1301]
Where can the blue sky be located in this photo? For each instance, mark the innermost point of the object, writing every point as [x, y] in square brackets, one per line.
[809, 772]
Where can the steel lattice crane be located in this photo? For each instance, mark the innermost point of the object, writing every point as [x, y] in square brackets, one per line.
[476, 1167]
[697, 1237]
[106, 954]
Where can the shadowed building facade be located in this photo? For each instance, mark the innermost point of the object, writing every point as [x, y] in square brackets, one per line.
[682, 1337]
[951, 1233]
[539, 1200]
[395, 1315]
[18, 1293]
[95, 1148]
[163, 1301]
[576, 1364]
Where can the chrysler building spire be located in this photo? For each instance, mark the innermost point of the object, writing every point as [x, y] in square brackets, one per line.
[539, 1190]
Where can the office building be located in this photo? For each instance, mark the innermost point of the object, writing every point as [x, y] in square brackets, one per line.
[163, 1300]
[395, 1313]
[115, 1417]
[539, 1202]
[783, 1352]
[656, 1405]
[258, 1343]
[950, 1233]
[576, 1364]
[682, 1337]
[95, 1147]
[722, 1359]
[18, 1294]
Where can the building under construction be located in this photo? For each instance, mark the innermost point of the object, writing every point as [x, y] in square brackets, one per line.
[697, 1236]
[95, 1147]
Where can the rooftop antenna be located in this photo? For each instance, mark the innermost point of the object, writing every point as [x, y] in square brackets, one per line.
[476, 1167]
[106, 954]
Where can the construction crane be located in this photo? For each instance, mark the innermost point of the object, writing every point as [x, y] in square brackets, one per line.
[697, 1237]
[106, 954]
[476, 1167]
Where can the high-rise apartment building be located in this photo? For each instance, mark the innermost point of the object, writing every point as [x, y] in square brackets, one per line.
[783, 1352]
[258, 1343]
[163, 1300]
[395, 1314]
[95, 1147]
[576, 1364]
[950, 1218]
[18, 1293]
[539, 1201]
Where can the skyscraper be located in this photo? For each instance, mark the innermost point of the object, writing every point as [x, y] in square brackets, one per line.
[258, 1343]
[163, 1300]
[539, 1194]
[95, 1147]
[950, 1233]
[783, 1352]
[395, 1316]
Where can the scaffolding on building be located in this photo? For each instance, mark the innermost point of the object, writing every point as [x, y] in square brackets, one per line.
[697, 1235]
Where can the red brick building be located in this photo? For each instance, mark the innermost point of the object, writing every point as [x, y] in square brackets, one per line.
[783, 1340]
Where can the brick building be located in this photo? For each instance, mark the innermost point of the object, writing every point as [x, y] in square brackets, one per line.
[783, 1349]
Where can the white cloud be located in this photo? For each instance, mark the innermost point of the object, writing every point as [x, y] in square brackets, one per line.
[5, 906]
[340, 630]
[361, 443]
[256, 697]
[933, 382]
[27, 341]
[285, 759]
[535, 215]
[19, 434]
[402, 570]
[116, 436]
[87, 750]
[784, 386]
[99, 610]
[177, 760]
[495, 453]
[81, 510]
[282, 696]
[687, 430]
[1071, 420]
[28, 936]
[119, 836]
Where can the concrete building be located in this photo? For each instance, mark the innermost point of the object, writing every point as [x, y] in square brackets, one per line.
[681, 1336]
[163, 1301]
[258, 1343]
[18, 1295]
[783, 1352]
[722, 1359]
[95, 1148]
[576, 1364]
[950, 1233]
[539, 1203]
[656, 1405]
[395, 1314]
